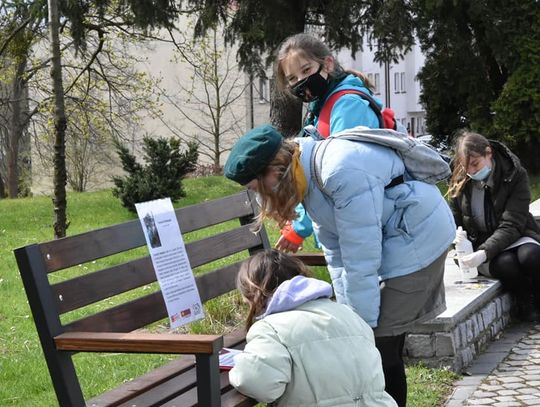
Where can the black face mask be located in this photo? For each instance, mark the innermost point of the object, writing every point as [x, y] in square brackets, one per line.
[316, 84]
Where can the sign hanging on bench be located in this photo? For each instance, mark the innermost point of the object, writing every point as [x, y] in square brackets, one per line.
[170, 260]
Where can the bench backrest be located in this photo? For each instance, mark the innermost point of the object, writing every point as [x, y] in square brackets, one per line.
[72, 282]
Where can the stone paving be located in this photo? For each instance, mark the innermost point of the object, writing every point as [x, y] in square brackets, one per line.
[506, 375]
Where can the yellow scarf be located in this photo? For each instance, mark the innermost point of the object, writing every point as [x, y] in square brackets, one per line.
[298, 173]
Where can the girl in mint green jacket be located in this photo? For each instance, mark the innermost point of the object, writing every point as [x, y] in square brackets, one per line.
[302, 348]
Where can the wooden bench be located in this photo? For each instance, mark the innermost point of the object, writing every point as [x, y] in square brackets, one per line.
[123, 327]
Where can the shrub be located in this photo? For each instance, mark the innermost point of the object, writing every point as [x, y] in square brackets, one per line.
[162, 175]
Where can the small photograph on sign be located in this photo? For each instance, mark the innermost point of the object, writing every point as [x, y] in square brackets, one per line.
[152, 230]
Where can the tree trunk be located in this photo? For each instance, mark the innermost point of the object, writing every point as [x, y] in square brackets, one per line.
[16, 130]
[2, 188]
[59, 199]
[285, 112]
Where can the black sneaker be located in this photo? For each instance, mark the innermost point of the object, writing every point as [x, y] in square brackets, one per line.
[527, 309]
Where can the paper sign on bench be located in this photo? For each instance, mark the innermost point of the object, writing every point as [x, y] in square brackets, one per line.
[170, 260]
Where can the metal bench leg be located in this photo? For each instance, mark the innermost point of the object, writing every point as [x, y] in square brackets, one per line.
[208, 386]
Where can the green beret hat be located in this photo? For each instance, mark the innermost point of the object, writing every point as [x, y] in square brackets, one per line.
[252, 153]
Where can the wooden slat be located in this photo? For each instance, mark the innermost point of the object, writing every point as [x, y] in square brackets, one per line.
[205, 214]
[234, 399]
[148, 382]
[70, 251]
[97, 286]
[138, 342]
[217, 282]
[93, 287]
[126, 317]
[145, 310]
[312, 259]
[229, 397]
[168, 390]
[189, 398]
[222, 245]
[152, 381]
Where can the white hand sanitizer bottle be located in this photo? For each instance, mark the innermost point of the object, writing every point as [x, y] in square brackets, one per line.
[464, 248]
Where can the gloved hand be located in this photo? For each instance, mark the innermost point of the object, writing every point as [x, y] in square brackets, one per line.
[474, 259]
[289, 241]
[461, 235]
[287, 246]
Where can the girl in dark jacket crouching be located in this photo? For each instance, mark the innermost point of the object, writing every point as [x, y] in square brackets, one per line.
[489, 197]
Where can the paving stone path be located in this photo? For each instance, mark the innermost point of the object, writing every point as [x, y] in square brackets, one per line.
[506, 375]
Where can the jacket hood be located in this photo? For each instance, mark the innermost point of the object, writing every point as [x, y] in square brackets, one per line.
[295, 292]
[510, 163]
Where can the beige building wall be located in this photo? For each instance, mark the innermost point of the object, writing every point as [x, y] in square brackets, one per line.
[173, 74]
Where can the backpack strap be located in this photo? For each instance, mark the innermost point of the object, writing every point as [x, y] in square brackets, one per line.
[323, 124]
[316, 164]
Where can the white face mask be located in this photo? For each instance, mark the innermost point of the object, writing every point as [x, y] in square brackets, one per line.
[481, 174]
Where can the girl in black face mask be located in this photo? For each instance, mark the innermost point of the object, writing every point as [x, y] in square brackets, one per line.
[307, 70]
[312, 87]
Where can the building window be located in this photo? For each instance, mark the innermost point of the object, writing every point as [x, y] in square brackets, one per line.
[399, 82]
[377, 83]
[263, 90]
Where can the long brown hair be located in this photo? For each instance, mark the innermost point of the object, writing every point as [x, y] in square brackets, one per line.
[309, 47]
[261, 274]
[279, 205]
[468, 144]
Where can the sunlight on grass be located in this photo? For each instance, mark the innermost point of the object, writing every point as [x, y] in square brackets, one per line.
[428, 387]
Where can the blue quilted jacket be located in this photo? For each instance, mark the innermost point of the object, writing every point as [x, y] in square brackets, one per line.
[369, 233]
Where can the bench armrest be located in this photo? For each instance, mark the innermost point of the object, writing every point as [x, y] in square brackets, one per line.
[138, 342]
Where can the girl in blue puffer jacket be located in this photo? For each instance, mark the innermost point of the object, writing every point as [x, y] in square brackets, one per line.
[385, 247]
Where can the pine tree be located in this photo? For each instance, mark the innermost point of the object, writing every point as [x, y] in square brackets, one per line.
[162, 175]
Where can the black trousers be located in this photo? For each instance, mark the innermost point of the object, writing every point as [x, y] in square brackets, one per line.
[391, 350]
[518, 269]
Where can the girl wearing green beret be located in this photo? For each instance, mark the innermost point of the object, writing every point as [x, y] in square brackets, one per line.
[385, 247]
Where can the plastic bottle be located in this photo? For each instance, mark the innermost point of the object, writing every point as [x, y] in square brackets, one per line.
[464, 248]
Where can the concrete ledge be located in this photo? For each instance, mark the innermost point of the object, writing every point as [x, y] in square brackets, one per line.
[477, 311]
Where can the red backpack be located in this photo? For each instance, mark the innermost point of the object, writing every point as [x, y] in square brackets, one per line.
[385, 116]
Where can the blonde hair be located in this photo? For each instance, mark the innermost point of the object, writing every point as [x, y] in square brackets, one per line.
[261, 274]
[279, 205]
[468, 144]
[309, 47]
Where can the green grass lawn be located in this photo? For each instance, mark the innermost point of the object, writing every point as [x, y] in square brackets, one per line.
[23, 374]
